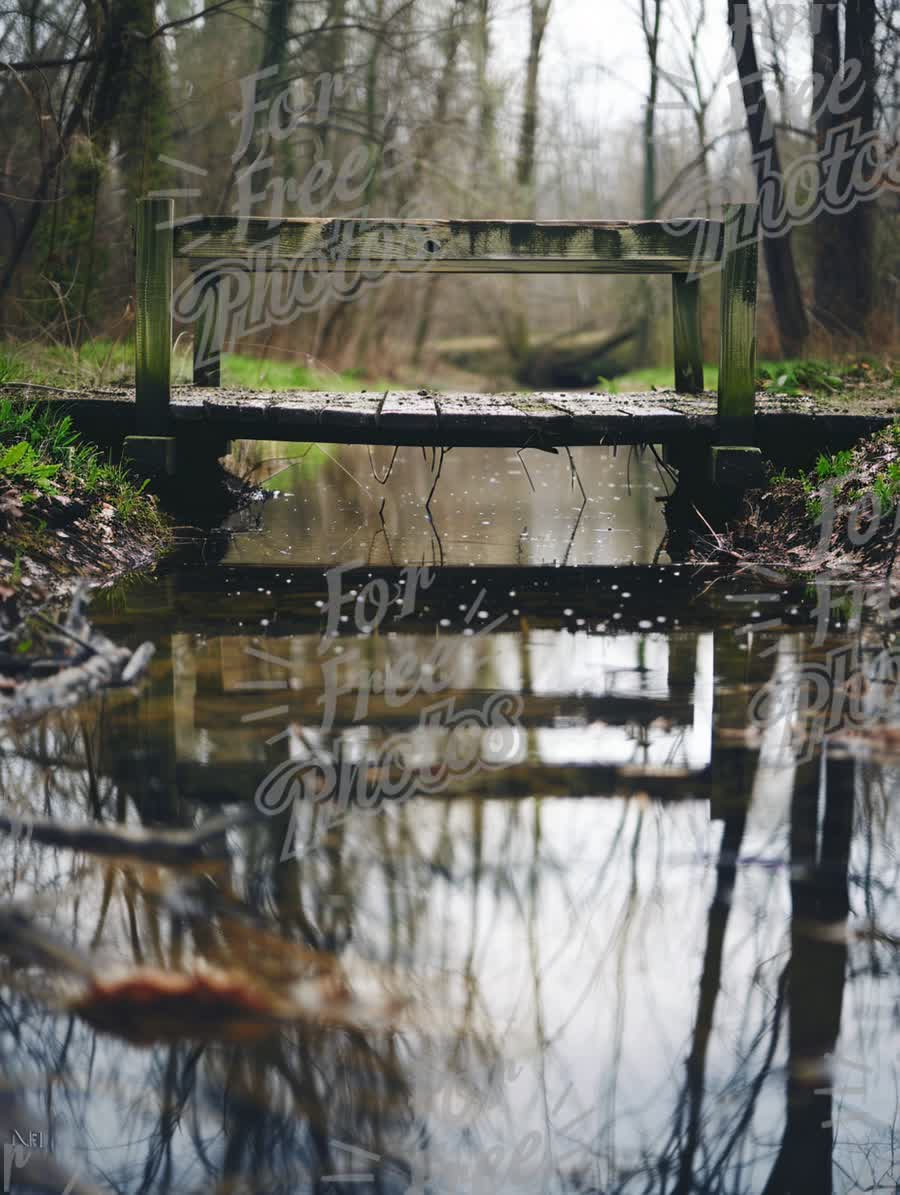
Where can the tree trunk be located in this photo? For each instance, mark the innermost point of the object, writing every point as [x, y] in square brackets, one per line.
[540, 11]
[787, 297]
[651, 36]
[452, 41]
[483, 143]
[844, 269]
[650, 27]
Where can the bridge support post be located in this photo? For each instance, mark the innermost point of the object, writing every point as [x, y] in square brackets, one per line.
[688, 341]
[735, 462]
[152, 450]
[208, 330]
[153, 314]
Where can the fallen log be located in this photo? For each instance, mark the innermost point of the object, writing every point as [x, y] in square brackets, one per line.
[148, 845]
[91, 664]
[546, 362]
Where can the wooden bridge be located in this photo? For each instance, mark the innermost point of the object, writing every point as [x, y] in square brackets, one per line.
[222, 252]
[710, 438]
[782, 424]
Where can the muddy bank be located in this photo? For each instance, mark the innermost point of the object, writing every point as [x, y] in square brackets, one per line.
[50, 543]
[843, 517]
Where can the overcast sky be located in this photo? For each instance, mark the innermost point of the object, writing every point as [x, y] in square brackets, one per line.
[595, 48]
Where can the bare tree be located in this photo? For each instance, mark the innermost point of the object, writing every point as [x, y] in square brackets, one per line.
[844, 271]
[651, 20]
[540, 13]
[784, 283]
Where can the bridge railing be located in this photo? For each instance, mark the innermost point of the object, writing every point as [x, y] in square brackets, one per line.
[216, 246]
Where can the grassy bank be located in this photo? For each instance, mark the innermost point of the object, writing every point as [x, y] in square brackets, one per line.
[843, 516]
[99, 363]
[860, 377]
[65, 510]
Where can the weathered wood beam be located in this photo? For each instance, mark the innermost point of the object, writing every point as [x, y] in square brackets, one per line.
[688, 339]
[737, 344]
[153, 313]
[305, 708]
[236, 780]
[209, 329]
[790, 430]
[448, 246]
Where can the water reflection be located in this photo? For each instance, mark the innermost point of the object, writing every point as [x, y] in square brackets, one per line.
[489, 506]
[618, 939]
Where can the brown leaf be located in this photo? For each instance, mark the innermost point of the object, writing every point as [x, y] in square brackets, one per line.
[147, 1005]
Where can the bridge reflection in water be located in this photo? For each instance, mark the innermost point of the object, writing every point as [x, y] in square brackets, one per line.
[640, 943]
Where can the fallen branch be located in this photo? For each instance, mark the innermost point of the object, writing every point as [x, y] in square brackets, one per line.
[150, 846]
[98, 664]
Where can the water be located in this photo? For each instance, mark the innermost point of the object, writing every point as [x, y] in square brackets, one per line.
[555, 913]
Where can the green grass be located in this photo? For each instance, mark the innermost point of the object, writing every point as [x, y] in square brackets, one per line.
[834, 466]
[21, 464]
[793, 376]
[101, 362]
[885, 485]
[266, 373]
[41, 453]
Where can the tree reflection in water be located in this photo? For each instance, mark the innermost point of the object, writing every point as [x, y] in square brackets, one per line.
[601, 994]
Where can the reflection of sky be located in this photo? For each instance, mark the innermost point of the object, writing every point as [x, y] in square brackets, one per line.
[582, 946]
[542, 663]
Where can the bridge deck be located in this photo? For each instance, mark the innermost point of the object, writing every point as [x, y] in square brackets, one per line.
[538, 420]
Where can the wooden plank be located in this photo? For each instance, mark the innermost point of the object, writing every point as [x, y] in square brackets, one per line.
[408, 412]
[550, 424]
[485, 418]
[737, 345]
[296, 416]
[153, 314]
[630, 418]
[343, 414]
[249, 409]
[450, 246]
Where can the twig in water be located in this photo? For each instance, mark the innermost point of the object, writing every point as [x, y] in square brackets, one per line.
[661, 465]
[382, 530]
[574, 473]
[719, 541]
[434, 532]
[437, 478]
[574, 530]
[519, 452]
[390, 468]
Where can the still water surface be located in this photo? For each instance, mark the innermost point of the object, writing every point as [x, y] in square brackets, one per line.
[548, 909]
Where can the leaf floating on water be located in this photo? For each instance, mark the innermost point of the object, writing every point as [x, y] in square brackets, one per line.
[148, 1005]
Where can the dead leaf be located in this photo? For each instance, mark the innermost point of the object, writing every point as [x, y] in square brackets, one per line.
[147, 1005]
